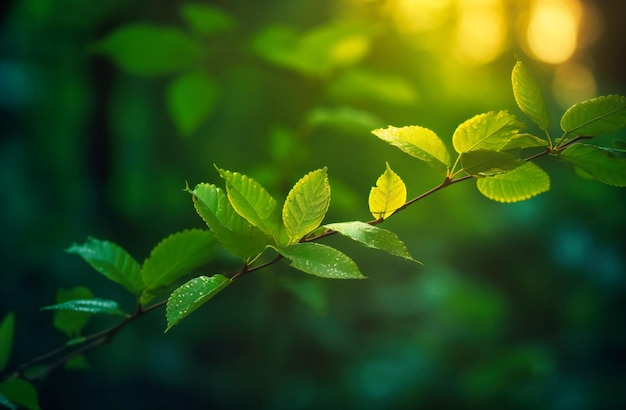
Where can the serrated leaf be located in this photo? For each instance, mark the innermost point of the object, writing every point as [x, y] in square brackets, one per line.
[607, 165]
[373, 237]
[71, 323]
[205, 19]
[520, 184]
[594, 117]
[147, 49]
[419, 142]
[388, 195]
[490, 131]
[487, 163]
[113, 262]
[93, 306]
[232, 231]
[20, 392]
[191, 295]
[525, 140]
[252, 201]
[177, 255]
[321, 260]
[306, 204]
[7, 328]
[190, 99]
[528, 95]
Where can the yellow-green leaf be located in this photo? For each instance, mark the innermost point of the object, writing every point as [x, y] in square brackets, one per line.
[490, 131]
[522, 183]
[306, 204]
[419, 142]
[388, 195]
[528, 95]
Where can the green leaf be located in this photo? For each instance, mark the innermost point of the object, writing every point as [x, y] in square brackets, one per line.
[252, 201]
[147, 49]
[388, 195]
[321, 260]
[418, 142]
[594, 117]
[373, 237]
[487, 163]
[232, 231]
[113, 262]
[20, 392]
[191, 98]
[191, 295]
[177, 255]
[7, 328]
[607, 165]
[525, 141]
[205, 19]
[4, 401]
[490, 131]
[520, 184]
[71, 322]
[528, 95]
[357, 85]
[347, 119]
[93, 306]
[306, 204]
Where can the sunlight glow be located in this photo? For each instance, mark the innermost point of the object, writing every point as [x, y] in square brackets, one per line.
[573, 83]
[480, 31]
[552, 31]
[416, 16]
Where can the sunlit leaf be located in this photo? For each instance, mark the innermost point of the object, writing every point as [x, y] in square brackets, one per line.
[528, 95]
[373, 237]
[71, 322]
[418, 142]
[92, 306]
[520, 184]
[388, 195]
[490, 131]
[306, 204]
[191, 295]
[232, 231]
[191, 98]
[604, 164]
[252, 201]
[7, 327]
[112, 261]
[594, 117]
[177, 255]
[20, 392]
[205, 19]
[321, 260]
[486, 163]
[525, 141]
[147, 49]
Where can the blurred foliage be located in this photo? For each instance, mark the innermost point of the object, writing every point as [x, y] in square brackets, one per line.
[517, 306]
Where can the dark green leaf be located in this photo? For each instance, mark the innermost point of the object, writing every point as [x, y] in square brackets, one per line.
[190, 296]
[594, 117]
[487, 163]
[191, 98]
[205, 19]
[20, 392]
[147, 49]
[373, 237]
[321, 260]
[71, 322]
[528, 95]
[236, 235]
[520, 184]
[112, 261]
[604, 164]
[93, 306]
[177, 255]
[7, 327]
[490, 131]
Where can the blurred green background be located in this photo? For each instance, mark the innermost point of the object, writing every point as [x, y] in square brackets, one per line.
[516, 306]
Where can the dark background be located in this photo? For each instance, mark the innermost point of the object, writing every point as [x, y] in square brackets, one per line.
[516, 306]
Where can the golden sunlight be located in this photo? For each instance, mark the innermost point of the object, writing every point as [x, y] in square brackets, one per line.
[480, 31]
[552, 31]
[416, 16]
